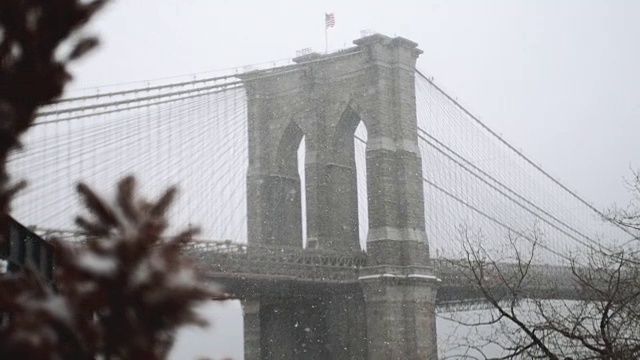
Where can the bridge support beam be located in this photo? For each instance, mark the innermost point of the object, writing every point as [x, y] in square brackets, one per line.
[346, 322]
[401, 321]
[332, 327]
[252, 336]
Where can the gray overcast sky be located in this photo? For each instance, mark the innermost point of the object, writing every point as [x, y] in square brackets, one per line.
[557, 78]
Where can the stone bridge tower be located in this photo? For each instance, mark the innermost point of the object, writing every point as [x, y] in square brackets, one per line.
[324, 98]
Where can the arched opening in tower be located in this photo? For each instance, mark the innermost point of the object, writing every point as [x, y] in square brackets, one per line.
[360, 149]
[282, 220]
[303, 194]
[341, 184]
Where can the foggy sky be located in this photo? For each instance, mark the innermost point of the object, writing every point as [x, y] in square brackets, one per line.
[556, 79]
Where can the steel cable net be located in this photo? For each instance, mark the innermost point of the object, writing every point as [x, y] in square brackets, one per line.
[194, 134]
[474, 181]
[190, 135]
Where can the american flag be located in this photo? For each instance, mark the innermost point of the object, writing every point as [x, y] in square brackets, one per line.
[329, 20]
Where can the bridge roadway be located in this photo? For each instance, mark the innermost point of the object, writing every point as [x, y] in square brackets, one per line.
[256, 271]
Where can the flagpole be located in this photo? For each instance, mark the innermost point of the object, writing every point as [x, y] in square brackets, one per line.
[326, 40]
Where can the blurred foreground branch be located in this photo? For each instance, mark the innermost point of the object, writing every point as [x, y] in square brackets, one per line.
[121, 295]
[33, 71]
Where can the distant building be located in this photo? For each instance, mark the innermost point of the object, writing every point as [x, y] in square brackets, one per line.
[25, 247]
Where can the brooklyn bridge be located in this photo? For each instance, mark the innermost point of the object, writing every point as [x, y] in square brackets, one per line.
[333, 191]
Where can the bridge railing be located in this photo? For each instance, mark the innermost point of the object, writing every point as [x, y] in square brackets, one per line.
[232, 251]
[319, 264]
[226, 259]
[505, 280]
[228, 250]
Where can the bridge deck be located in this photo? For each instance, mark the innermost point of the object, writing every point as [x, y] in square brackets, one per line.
[251, 271]
[257, 270]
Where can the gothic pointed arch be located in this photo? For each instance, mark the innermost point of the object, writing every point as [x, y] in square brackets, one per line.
[345, 130]
[285, 159]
